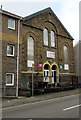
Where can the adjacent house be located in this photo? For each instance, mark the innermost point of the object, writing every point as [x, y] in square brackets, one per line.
[37, 46]
[10, 36]
[77, 60]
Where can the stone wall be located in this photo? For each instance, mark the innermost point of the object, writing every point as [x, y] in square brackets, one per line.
[9, 63]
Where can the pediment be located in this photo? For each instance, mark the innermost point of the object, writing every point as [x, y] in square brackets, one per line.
[42, 17]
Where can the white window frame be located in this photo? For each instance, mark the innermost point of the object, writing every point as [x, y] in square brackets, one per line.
[65, 53]
[52, 36]
[13, 28]
[66, 67]
[12, 84]
[30, 49]
[13, 50]
[45, 39]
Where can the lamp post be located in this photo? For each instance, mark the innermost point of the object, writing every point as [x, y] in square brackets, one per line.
[32, 81]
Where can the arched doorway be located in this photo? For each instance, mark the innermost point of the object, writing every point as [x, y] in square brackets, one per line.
[55, 75]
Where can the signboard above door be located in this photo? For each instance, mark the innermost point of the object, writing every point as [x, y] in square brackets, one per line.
[50, 54]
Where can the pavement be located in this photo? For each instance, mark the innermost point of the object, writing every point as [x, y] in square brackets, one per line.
[25, 100]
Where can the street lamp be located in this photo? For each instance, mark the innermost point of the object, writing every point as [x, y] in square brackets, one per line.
[32, 81]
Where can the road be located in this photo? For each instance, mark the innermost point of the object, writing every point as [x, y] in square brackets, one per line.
[64, 107]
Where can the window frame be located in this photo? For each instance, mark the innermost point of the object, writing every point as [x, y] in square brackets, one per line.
[30, 53]
[66, 58]
[46, 43]
[65, 53]
[66, 66]
[28, 47]
[11, 84]
[54, 41]
[13, 50]
[13, 28]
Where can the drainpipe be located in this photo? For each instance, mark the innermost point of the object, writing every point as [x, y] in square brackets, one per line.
[18, 58]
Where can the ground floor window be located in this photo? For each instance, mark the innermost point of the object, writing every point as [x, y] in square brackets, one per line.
[9, 79]
[66, 67]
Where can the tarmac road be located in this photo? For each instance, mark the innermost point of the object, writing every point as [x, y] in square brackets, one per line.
[63, 107]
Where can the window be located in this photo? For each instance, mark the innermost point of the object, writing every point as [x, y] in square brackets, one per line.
[30, 53]
[10, 50]
[9, 79]
[66, 66]
[52, 39]
[45, 37]
[11, 24]
[65, 55]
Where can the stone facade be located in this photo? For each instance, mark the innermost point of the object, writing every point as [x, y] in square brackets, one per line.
[9, 63]
[33, 26]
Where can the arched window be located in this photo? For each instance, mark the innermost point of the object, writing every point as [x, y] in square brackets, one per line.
[66, 65]
[65, 55]
[30, 53]
[45, 37]
[52, 39]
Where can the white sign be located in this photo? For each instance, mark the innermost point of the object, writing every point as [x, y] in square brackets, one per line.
[50, 54]
[66, 67]
[30, 62]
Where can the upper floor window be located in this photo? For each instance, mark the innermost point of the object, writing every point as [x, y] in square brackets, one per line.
[10, 79]
[30, 48]
[66, 66]
[65, 55]
[10, 50]
[30, 53]
[11, 24]
[52, 39]
[45, 37]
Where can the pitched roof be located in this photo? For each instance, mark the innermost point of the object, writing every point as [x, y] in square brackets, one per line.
[36, 14]
[10, 14]
[45, 10]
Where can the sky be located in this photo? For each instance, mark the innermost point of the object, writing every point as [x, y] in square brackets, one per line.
[66, 10]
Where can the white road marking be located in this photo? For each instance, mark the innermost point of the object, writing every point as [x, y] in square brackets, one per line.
[71, 107]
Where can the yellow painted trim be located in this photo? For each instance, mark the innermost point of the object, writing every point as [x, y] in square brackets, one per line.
[46, 63]
[50, 69]
[57, 68]
[30, 72]
[67, 73]
[56, 65]
[42, 73]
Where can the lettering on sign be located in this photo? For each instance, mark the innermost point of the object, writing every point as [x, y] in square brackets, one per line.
[50, 54]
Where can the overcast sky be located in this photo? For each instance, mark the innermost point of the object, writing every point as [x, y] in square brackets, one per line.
[66, 10]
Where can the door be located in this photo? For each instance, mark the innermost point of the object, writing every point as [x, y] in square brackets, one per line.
[46, 75]
[54, 76]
